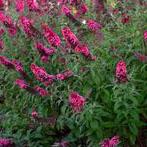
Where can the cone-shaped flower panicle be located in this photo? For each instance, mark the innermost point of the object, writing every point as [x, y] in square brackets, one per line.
[44, 50]
[20, 5]
[8, 23]
[121, 72]
[113, 142]
[34, 114]
[70, 37]
[5, 142]
[65, 75]
[76, 101]
[18, 66]
[42, 92]
[66, 10]
[21, 83]
[83, 49]
[6, 62]
[145, 35]
[27, 26]
[93, 25]
[83, 9]
[42, 75]
[32, 5]
[52, 38]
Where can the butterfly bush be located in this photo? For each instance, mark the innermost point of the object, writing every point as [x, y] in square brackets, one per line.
[53, 48]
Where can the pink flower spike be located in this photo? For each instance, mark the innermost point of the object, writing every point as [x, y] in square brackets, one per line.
[76, 101]
[113, 142]
[21, 83]
[42, 92]
[44, 59]
[65, 75]
[5, 142]
[2, 17]
[1, 3]
[61, 2]
[34, 114]
[70, 37]
[6, 62]
[83, 9]
[125, 18]
[83, 49]
[27, 26]
[18, 65]
[65, 10]
[32, 5]
[105, 143]
[19, 4]
[60, 76]
[52, 38]
[121, 72]
[93, 25]
[42, 75]
[73, 2]
[44, 50]
[12, 31]
[8, 23]
[145, 35]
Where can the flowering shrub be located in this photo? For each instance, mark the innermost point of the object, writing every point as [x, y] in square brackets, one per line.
[73, 73]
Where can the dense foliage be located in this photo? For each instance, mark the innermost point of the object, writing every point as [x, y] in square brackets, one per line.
[73, 73]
